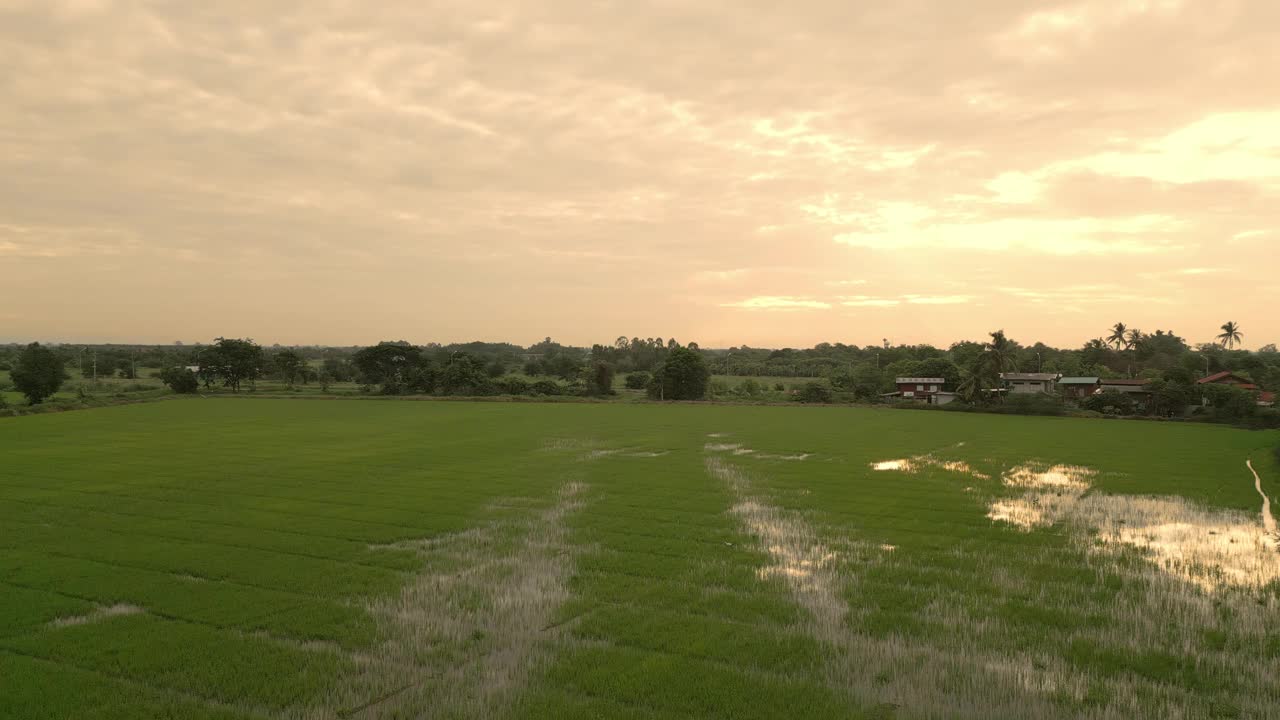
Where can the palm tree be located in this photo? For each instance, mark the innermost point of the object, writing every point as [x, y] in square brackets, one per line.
[1119, 335]
[1134, 337]
[1231, 336]
[998, 356]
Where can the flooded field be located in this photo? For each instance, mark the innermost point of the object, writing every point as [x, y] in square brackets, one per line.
[391, 560]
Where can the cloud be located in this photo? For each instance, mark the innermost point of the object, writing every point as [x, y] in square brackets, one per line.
[532, 166]
[779, 303]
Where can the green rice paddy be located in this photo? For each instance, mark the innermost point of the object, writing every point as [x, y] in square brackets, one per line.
[263, 558]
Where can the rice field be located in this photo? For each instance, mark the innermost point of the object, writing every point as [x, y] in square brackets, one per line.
[290, 559]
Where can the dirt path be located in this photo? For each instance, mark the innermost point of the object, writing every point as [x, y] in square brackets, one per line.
[1268, 520]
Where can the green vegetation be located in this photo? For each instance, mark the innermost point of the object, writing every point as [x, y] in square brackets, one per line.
[221, 558]
[38, 373]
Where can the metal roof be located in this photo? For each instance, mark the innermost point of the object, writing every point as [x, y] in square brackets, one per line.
[1038, 377]
[907, 380]
[1079, 381]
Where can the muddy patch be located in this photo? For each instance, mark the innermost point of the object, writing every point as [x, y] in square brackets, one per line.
[1211, 548]
[99, 614]
[465, 636]
[795, 555]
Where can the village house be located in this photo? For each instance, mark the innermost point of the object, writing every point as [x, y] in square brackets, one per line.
[1030, 383]
[1078, 388]
[1266, 399]
[920, 388]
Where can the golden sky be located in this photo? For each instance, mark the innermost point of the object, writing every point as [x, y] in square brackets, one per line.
[724, 171]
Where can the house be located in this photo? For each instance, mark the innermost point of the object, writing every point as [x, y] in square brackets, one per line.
[1029, 383]
[1078, 388]
[1228, 378]
[944, 398]
[1136, 389]
[1265, 399]
[920, 388]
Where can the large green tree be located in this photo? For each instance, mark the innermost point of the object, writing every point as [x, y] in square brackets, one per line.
[232, 360]
[38, 373]
[683, 375]
[387, 364]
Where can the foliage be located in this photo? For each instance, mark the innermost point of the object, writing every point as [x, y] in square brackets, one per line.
[749, 388]
[289, 365]
[180, 380]
[814, 392]
[1230, 335]
[546, 387]
[38, 373]
[599, 378]
[233, 361]
[387, 364]
[1110, 402]
[684, 375]
[1229, 403]
[638, 380]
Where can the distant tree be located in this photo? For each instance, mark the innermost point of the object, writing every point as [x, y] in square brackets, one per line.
[564, 366]
[180, 380]
[814, 392]
[863, 381]
[495, 369]
[387, 364]
[464, 375]
[1268, 348]
[290, 365]
[599, 378]
[38, 373]
[1230, 335]
[232, 360]
[638, 380]
[683, 375]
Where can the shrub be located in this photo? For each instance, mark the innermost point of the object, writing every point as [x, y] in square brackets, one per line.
[514, 386]
[1110, 403]
[638, 380]
[1033, 405]
[814, 392]
[599, 379]
[180, 380]
[717, 388]
[546, 387]
[780, 387]
[749, 388]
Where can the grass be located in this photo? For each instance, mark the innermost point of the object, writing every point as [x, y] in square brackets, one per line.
[209, 558]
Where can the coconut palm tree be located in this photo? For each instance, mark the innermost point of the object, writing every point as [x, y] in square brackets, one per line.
[1230, 336]
[1119, 336]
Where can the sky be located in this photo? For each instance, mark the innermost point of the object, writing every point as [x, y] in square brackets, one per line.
[724, 171]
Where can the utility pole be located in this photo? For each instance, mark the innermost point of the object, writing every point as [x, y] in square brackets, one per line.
[95, 366]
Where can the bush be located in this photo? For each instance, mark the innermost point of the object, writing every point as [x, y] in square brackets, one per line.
[180, 380]
[1034, 405]
[514, 386]
[599, 379]
[546, 387]
[749, 388]
[780, 387]
[1110, 403]
[717, 388]
[814, 392]
[638, 380]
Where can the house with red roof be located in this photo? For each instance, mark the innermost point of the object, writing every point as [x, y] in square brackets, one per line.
[1229, 378]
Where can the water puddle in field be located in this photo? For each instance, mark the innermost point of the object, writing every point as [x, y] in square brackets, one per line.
[98, 615]
[915, 464]
[739, 450]
[1211, 548]
[1268, 520]
[795, 554]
